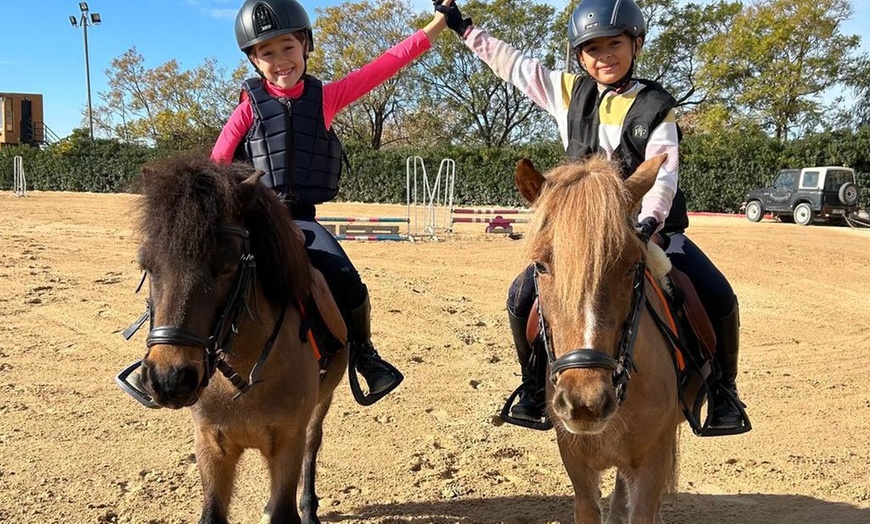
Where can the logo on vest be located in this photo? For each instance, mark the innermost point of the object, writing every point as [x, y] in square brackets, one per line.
[640, 131]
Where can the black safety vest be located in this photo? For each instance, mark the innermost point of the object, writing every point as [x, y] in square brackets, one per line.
[290, 143]
[647, 112]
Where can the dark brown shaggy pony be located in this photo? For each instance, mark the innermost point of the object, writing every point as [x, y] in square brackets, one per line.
[228, 276]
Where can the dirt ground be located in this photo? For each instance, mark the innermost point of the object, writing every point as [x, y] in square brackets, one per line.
[74, 448]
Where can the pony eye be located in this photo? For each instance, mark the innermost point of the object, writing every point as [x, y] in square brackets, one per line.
[541, 267]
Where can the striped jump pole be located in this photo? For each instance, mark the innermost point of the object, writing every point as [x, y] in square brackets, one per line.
[402, 220]
[491, 211]
[373, 238]
[371, 229]
[495, 224]
[489, 220]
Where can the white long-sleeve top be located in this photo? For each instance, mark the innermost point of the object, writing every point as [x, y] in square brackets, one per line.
[552, 91]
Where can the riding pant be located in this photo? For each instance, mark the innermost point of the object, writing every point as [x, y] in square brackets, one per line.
[327, 255]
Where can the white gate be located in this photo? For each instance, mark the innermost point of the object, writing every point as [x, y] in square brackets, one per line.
[429, 203]
[19, 185]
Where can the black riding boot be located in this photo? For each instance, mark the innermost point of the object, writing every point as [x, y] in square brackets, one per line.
[532, 400]
[379, 377]
[726, 414]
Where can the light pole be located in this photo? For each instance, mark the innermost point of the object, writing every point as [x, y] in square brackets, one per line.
[85, 21]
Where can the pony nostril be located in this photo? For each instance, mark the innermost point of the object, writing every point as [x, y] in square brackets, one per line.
[183, 379]
[608, 406]
[598, 407]
[175, 386]
[560, 403]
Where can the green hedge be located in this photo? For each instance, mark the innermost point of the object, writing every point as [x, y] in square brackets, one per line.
[75, 164]
[716, 170]
[483, 176]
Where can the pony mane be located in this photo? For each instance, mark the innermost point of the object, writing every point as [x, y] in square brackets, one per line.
[580, 225]
[184, 198]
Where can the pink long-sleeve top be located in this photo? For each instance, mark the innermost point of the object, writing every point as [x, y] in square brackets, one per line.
[336, 95]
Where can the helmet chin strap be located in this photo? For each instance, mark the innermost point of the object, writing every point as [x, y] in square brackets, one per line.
[623, 83]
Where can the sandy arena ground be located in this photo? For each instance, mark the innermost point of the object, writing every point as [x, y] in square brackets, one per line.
[75, 449]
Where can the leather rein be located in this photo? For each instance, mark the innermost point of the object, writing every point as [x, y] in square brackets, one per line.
[217, 345]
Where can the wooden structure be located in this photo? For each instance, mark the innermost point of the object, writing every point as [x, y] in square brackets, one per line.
[21, 119]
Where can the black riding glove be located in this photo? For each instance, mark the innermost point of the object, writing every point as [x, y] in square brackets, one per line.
[646, 229]
[454, 17]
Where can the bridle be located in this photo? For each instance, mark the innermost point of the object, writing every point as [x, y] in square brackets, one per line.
[217, 345]
[622, 364]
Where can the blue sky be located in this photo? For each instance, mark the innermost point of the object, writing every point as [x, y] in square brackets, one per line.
[43, 53]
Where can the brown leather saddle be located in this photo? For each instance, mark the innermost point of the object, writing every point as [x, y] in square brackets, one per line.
[327, 332]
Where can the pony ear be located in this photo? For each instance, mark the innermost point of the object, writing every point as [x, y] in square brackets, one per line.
[248, 186]
[642, 180]
[529, 180]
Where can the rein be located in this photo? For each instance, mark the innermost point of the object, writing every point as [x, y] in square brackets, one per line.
[217, 345]
[622, 364]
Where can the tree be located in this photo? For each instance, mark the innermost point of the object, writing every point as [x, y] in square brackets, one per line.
[477, 107]
[777, 60]
[167, 106]
[349, 36]
[857, 78]
[670, 53]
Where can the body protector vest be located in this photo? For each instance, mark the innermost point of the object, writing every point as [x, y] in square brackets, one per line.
[647, 112]
[290, 143]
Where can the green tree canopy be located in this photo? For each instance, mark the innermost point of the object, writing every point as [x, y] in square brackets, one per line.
[167, 106]
[477, 107]
[776, 61]
[351, 35]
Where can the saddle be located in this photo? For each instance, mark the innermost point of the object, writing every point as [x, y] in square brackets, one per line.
[322, 321]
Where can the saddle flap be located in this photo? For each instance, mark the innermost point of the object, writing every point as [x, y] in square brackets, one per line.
[695, 313]
[327, 307]
[533, 327]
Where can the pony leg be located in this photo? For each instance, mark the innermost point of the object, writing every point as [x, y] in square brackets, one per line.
[618, 513]
[648, 483]
[284, 466]
[217, 462]
[586, 482]
[308, 502]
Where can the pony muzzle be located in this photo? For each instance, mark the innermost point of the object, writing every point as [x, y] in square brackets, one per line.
[172, 382]
[584, 399]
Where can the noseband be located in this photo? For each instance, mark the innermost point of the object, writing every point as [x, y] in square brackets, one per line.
[217, 345]
[585, 358]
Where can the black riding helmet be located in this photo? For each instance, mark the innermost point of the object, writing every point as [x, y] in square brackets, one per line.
[261, 20]
[596, 18]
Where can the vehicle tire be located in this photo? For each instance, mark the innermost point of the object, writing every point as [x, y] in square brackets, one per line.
[848, 194]
[803, 214]
[754, 211]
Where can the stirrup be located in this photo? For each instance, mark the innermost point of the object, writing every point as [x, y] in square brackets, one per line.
[361, 398]
[131, 389]
[705, 429]
[544, 424]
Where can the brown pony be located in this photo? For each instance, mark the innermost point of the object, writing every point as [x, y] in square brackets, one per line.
[229, 280]
[599, 333]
